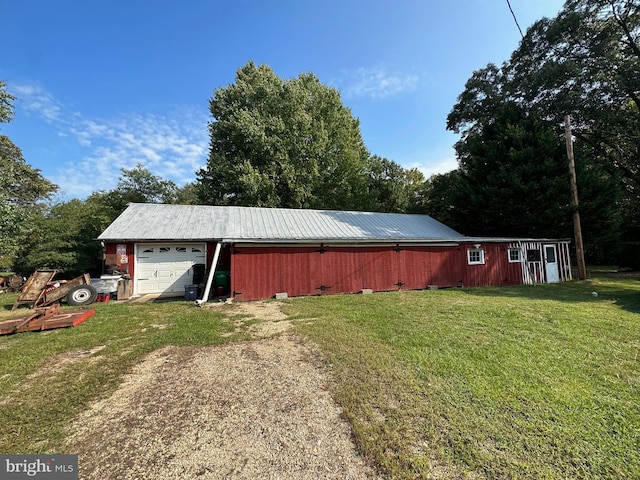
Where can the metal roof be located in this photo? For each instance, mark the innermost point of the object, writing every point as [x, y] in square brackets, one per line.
[145, 222]
[163, 222]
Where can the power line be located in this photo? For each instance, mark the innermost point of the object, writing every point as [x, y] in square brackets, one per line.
[514, 18]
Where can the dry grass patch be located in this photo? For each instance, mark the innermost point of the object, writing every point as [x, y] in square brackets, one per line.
[257, 409]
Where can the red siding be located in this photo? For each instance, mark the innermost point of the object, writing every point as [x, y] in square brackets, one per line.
[379, 267]
[341, 270]
[255, 273]
[447, 266]
[496, 270]
[301, 271]
[261, 272]
[424, 266]
[414, 268]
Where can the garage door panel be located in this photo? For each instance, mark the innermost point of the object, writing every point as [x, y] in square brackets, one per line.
[166, 268]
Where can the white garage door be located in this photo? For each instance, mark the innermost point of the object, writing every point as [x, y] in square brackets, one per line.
[166, 268]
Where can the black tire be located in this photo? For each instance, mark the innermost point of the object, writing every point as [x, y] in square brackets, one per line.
[82, 295]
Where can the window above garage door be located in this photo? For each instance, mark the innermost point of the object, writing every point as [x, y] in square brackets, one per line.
[166, 267]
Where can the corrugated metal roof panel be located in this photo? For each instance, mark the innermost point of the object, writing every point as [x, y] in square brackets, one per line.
[145, 222]
[200, 222]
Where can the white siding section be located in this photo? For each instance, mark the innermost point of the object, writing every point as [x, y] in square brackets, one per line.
[533, 271]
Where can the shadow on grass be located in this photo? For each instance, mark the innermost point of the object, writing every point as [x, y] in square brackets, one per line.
[625, 293]
[7, 300]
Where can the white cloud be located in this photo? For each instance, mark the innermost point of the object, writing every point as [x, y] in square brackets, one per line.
[172, 146]
[39, 101]
[377, 83]
[442, 165]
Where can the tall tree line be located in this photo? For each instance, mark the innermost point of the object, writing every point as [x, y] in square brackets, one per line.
[584, 62]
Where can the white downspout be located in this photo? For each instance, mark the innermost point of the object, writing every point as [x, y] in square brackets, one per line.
[207, 288]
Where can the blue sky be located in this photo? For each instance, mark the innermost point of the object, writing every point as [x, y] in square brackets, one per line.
[102, 86]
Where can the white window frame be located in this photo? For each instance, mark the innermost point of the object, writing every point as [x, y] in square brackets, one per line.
[480, 260]
[518, 251]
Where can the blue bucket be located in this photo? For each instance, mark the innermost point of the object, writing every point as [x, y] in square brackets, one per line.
[190, 292]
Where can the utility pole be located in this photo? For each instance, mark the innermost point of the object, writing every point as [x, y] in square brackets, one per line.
[577, 229]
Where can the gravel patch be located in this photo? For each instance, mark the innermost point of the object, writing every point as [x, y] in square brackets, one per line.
[258, 409]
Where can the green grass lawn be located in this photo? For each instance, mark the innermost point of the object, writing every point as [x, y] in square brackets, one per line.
[518, 382]
[523, 382]
[40, 390]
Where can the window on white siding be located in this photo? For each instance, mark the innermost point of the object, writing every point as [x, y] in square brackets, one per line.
[534, 256]
[475, 256]
[515, 255]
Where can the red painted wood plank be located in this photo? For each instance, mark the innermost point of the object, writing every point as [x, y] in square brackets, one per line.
[37, 322]
[446, 266]
[414, 267]
[495, 271]
[256, 273]
[67, 319]
[341, 270]
[301, 271]
[380, 268]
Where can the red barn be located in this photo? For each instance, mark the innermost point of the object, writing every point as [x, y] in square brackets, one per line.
[255, 253]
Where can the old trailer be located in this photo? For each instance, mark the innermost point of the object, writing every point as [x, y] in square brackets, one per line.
[41, 290]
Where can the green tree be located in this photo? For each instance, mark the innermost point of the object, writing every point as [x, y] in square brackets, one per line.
[6, 103]
[443, 198]
[393, 188]
[512, 172]
[139, 185]
[187, 194]
[417, 188]
[515, 181]
[22, 189]
[64, 238]
[584, 62]
[388, 185]
[283, 143]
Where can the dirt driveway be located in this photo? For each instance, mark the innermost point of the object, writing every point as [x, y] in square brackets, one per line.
[259, 409]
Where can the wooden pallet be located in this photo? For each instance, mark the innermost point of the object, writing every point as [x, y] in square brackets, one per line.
[45, 319]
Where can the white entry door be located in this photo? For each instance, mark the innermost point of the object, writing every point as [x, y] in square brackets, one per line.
[551, 264]
[166, 268]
